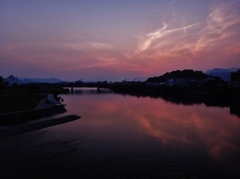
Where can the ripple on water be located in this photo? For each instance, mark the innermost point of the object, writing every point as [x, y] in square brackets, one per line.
[40, 154]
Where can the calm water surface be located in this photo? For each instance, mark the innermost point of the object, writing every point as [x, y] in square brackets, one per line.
[127, 137]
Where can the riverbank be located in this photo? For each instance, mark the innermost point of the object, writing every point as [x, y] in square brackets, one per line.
[13, 130]
[19, 103]
[225, 93]
[26, 115]
[26, 97]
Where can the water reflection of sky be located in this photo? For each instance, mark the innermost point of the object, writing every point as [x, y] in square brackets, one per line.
[175, 128]
[198, 139]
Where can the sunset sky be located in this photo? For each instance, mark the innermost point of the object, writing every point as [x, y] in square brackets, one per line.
[116, 39]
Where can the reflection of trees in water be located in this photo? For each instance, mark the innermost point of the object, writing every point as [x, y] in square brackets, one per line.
[185, 100]
[235, 110]
[209, 102]
[90, 91]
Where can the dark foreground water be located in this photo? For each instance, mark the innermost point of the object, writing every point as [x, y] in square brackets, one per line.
[127, 137]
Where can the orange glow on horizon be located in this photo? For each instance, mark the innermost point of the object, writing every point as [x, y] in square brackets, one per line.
[142, 44]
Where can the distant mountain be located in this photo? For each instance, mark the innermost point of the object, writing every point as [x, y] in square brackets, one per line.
[39, 80]
[222, 73]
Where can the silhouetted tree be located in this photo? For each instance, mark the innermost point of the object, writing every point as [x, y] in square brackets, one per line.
[32, 88]
[185, 74]
[1, 79]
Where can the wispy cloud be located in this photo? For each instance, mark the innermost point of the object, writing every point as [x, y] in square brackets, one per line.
[86, 46]
[219, 28]
[172, 2]
[160, 34]
[62, 55]
[217, 32]
[96, 45]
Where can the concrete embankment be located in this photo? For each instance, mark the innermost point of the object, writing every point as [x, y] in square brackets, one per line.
[12, 130]
[44, 108]
[15, 122]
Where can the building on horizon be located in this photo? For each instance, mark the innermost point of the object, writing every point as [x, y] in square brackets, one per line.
[11, 80]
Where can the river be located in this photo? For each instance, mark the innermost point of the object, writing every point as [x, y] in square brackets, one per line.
[122, 136]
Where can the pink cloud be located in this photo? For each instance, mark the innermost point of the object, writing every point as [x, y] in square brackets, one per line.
[172, 43]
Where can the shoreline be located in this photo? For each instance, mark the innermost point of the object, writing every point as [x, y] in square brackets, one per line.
[44, 108]
[229, 94]
[22, 128]
[22, 121]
